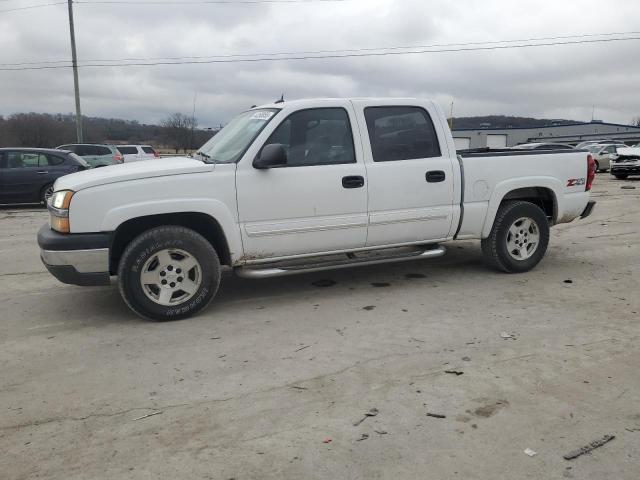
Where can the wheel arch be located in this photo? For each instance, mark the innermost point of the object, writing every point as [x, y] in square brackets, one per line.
[543, 192]
[204, 224]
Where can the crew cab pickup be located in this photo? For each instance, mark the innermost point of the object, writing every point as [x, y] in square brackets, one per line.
[304, 186]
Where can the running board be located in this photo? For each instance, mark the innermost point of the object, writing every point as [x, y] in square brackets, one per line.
[279, 271]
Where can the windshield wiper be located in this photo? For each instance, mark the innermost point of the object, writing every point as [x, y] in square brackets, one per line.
[204, 157]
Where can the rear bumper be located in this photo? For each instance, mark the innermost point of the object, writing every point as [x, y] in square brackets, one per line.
[588, 209]
[76, 259]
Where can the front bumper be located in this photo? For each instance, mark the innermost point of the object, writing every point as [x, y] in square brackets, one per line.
[628, 168]
[75, 258]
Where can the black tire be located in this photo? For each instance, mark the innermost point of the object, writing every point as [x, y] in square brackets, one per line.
[622, 177]
[45, 193]
[494, 248]
[597, 167]
[149, 244]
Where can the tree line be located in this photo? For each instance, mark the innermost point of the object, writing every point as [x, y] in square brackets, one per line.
[176, 132]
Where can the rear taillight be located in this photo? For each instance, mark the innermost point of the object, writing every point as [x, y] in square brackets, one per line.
[118, 158]
[591, 172]
[156, 154]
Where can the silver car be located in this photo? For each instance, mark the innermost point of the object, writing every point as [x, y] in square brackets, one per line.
[602, 154]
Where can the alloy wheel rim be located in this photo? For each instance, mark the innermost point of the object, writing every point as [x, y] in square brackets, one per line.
[523, 238]
[170, 277]
[47, 193]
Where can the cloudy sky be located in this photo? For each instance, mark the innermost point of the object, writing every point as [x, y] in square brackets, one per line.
[552, 81]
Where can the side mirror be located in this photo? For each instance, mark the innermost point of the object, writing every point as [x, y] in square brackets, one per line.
[272, 155]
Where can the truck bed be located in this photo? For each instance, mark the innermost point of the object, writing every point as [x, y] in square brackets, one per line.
[509, 152]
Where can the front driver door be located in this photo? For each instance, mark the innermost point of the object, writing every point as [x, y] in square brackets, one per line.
[317, 202]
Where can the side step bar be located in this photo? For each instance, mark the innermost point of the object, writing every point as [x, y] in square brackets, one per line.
[279, 271]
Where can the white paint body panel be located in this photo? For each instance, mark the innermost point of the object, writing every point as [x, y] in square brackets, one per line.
[303, 211]
[403, 207]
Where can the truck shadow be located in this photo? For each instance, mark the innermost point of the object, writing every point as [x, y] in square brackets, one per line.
[103, 305]
[460, 259]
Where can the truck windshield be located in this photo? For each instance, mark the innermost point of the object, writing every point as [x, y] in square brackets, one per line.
[230, 143]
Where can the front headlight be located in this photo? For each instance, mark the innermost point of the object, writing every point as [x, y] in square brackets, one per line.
[58, 206]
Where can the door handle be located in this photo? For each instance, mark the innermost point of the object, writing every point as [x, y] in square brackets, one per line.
[353, 181]
[435, 176]
[42, 172]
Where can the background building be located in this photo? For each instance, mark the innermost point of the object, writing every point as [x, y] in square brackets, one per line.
[571, 134]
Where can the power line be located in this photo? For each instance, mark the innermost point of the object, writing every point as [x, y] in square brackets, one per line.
[32, 6]
[318, 52]
[333, 56]
[168, 3]
[197, 2]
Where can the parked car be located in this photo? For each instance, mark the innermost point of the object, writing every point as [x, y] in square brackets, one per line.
[136, 153]
[27, 175]
[626, 162]
[543, 146]
[587, 143]
[602, 154]
[298, 187]
[95, 155]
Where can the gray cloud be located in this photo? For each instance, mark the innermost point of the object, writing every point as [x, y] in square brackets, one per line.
[561, 81]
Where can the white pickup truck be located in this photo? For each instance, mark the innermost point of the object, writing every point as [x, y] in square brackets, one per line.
[305, 186]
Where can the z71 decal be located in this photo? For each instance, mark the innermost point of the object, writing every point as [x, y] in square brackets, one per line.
[574, 182]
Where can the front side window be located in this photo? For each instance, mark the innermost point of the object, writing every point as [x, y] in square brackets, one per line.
[319, 136]
[401, 133]
[230, 143]
[26, 159]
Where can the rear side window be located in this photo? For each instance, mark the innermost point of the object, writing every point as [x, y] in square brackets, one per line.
[127, 150]
[319, 136]
[54, 160]
[94, 150]
[401, 133]
[78, 159]
[148, 150]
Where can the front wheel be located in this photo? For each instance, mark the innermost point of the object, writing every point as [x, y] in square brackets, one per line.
[46, 193]
[597, 169]
[168, 273]
[621, 177]
[518, 239]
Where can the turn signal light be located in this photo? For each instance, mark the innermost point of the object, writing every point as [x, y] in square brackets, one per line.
[60, 224]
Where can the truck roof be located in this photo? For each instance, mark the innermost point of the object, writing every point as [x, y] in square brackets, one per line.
[315, 101]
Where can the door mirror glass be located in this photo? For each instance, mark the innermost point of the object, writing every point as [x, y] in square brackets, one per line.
[272, 155]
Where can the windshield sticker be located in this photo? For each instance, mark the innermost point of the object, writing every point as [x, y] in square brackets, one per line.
[264, 115]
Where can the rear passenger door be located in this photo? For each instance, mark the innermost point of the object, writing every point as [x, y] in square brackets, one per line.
[410, 173]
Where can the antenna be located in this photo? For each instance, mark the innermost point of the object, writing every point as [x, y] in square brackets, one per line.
[281, 99]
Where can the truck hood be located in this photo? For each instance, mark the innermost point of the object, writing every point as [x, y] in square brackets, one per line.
[629, 152]
[131, 171]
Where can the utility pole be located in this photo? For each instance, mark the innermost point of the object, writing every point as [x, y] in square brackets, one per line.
[74, 61]
[451, 118]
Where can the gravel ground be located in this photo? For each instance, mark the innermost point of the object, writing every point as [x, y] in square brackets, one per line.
[270, 380]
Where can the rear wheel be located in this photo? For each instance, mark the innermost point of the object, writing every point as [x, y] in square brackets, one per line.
[168, 273]
[622, 177]
[597, 166]
[518, 239]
